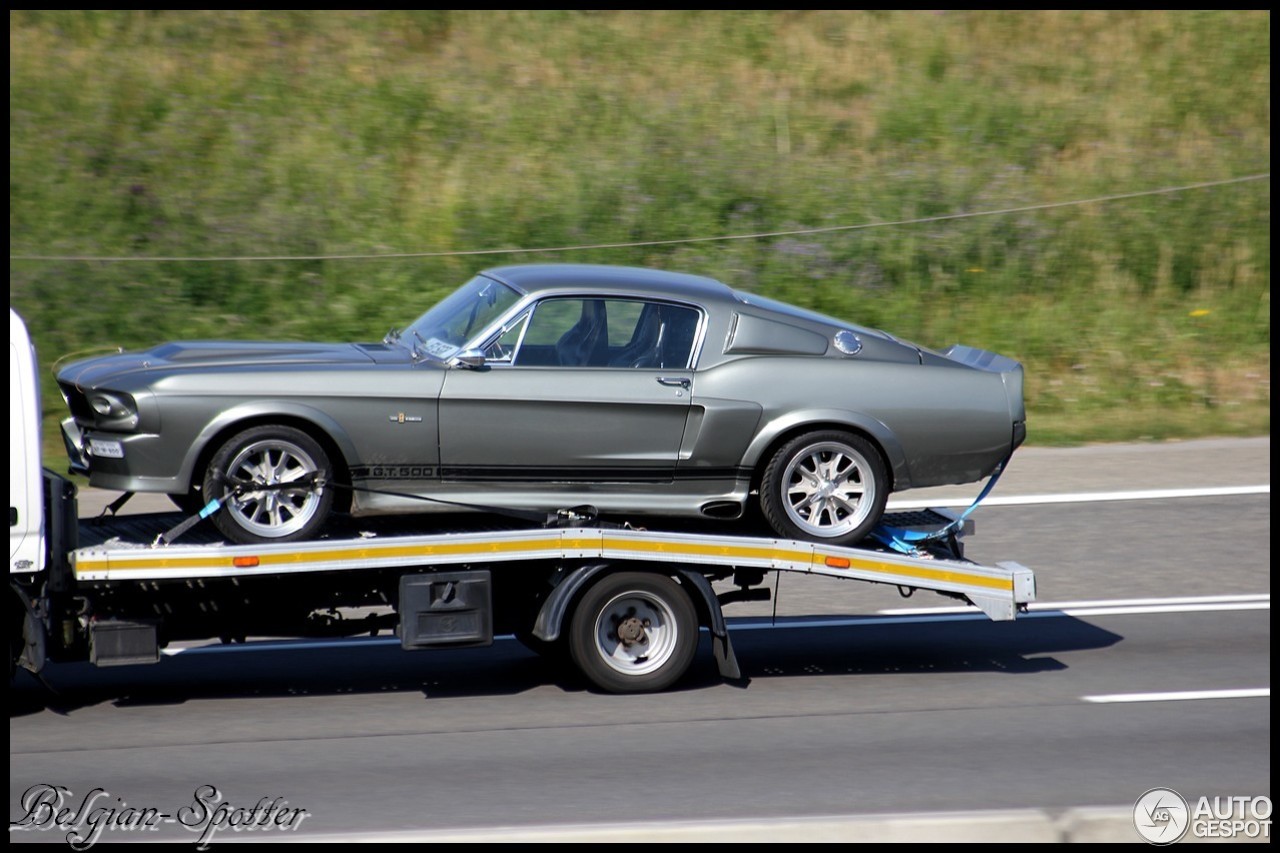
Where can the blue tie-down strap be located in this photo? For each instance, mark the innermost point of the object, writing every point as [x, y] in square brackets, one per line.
[207, 510]
[909, 541]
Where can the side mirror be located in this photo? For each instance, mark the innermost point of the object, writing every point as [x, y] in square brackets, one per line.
[470, 358]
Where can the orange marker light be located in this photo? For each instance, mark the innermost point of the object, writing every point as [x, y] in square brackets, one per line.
[838, 562]
[244, 562]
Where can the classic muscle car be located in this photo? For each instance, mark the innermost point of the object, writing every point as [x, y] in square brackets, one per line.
[539, 387]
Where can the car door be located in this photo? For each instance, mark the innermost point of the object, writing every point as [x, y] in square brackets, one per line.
[588, 389]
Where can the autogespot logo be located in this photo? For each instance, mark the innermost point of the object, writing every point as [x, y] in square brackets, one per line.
[1161, 816]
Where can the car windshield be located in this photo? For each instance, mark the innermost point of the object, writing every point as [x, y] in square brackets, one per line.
[458, 318]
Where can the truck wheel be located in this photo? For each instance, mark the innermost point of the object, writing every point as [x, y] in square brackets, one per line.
[633, 632]
[827, 486]
[287, 464]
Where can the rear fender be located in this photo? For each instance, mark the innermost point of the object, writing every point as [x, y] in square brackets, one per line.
[828, 419]
[1010, 373]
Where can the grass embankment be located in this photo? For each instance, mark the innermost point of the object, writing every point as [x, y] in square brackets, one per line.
[250, 134]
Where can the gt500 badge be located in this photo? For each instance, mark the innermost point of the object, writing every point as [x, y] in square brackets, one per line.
[402, 418]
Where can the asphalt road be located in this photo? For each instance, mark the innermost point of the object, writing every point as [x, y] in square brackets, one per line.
[846, 710]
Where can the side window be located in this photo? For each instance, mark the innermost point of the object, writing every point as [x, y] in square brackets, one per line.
[586, 332]
[563, 332]
[660, 337]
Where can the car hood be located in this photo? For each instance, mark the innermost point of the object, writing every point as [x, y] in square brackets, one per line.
[194, 355]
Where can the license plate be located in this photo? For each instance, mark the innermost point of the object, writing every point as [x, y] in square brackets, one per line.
[106, 449]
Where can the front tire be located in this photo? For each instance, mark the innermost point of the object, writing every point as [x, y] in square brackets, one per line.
[829, 486]
[634, 632]
[291, 470]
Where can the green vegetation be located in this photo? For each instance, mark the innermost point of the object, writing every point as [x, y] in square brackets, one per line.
[292, 133]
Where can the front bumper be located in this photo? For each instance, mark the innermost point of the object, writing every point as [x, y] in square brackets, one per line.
[118, 461]
[73, 440]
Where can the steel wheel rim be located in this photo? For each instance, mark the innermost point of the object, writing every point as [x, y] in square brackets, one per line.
[272, 513]
[659, 635]
[828, 489]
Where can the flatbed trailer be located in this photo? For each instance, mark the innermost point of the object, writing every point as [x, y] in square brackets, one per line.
[625, 605]
[998, 591]
[622, 604]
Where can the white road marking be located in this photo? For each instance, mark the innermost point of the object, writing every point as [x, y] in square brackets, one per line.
[1250, 693]
[787, 623]
[973, 614]
[1164, 608]
[1085, 497]
[1092, 823]
[1189, 604]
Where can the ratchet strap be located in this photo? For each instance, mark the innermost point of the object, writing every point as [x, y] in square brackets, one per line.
[909, 541]
[239, 487]
[578, 516]
[173, 533]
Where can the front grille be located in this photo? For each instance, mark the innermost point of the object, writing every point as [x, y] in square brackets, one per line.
[78, 403]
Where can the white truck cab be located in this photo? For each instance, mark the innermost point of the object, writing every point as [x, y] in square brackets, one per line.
[26, 506]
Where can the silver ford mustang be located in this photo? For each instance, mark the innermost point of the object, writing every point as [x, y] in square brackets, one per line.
[547, 386]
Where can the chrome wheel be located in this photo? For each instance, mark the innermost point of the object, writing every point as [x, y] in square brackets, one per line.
[828, 486]
[281, 508]
[271, 483]
[829, 489]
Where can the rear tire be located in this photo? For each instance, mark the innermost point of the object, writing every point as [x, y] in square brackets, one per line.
[633, 632]
[272, 457]
[827, 486]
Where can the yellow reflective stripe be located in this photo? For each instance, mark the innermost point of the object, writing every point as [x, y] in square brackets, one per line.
[944, 575]
[693, 549]
[375, 551]
[372, 551]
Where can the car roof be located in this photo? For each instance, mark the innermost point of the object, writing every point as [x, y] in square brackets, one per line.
[534, 278]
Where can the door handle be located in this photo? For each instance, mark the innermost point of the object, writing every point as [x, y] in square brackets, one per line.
[674, 381]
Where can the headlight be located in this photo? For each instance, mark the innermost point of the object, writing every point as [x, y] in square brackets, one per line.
[114, 409]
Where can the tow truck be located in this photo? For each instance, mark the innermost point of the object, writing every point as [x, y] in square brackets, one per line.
[625, 605]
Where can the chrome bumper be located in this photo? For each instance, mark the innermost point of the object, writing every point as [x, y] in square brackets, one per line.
[73, 439]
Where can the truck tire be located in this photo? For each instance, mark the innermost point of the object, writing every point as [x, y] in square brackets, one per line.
[633, 632]
[271, 456]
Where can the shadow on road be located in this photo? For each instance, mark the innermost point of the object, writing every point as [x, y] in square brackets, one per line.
[790, 648]
[964, 645]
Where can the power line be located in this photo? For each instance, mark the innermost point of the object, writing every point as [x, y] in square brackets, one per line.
[760, 235]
